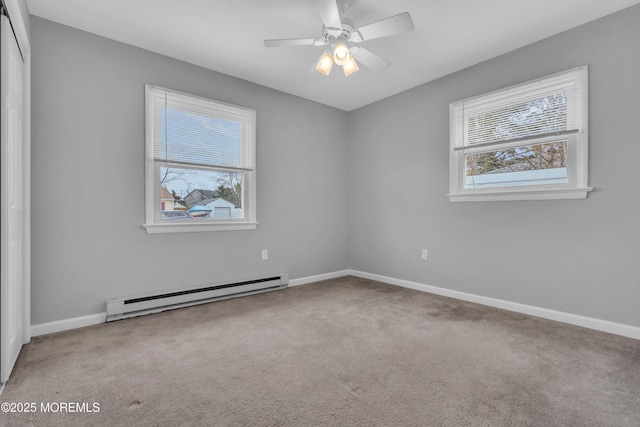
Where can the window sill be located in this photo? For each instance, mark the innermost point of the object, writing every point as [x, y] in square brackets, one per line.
[198, 228]
[503, 196]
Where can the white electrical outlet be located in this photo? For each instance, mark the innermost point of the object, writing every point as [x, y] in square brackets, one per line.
[424, 254]
[265, 254]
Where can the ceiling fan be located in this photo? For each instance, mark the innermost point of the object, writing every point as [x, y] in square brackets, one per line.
[343, 39]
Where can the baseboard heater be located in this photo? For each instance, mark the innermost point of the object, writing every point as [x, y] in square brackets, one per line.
[138, 305]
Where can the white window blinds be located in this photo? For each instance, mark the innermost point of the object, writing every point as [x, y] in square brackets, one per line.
[538, 109]
[199, 133]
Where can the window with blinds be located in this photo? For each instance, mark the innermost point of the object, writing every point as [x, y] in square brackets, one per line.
[200, 160]
[525, 142]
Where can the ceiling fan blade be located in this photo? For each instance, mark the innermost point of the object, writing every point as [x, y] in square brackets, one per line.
[372, 61]
[329, 13]
[397, 24]
[290, 42]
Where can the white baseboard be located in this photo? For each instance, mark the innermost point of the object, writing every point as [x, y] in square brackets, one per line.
[318, 278]
[559, 316]
[66, 324]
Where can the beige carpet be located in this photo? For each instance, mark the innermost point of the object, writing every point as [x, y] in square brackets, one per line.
[345, 352]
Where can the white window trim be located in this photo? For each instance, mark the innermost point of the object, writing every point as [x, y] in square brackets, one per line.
[152, 176]
[198, 227]
[577, 148]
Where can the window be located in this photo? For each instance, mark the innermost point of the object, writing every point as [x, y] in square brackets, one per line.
[526, 142]
[200, 155]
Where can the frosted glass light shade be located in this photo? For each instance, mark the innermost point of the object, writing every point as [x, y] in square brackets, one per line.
[350, 66]
[325, 63]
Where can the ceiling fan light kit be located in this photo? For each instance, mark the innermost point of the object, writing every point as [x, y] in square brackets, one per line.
[340, 56]
[342, 37]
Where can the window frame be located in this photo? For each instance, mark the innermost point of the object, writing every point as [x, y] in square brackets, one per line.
[576, 156]
[247, 118]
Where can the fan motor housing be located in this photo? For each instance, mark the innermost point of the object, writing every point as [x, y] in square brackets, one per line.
[346, 34]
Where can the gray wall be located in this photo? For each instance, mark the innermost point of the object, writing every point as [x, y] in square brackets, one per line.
[88, 185]
[578, 257]
[88, 179]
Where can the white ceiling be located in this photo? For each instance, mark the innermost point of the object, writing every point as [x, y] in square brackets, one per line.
[227, 36]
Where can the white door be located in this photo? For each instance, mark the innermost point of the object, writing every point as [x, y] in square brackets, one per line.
[11, 202]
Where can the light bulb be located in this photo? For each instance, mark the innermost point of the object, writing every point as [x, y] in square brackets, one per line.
[340, 53]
